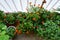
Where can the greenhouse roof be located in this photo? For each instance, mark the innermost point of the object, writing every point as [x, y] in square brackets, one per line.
[21, 5]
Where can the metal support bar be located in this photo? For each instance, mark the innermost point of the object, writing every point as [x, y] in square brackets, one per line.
[54, 4]
[21, 4]
[3, 6]
[27, 3]
[49, 3]
[14, 5]
[35, 2]
[8, 5]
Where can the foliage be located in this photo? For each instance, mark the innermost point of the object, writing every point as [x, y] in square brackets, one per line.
[49, 30]
[11, 31]
[58, 9]
[10, 18]
[2, 15]
[42, 22]
[3, 35]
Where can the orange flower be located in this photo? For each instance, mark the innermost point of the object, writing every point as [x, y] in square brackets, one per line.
[20, 32]
[34, 19]
[17, 31]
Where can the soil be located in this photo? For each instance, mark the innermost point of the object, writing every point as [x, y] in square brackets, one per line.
[26, 37]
